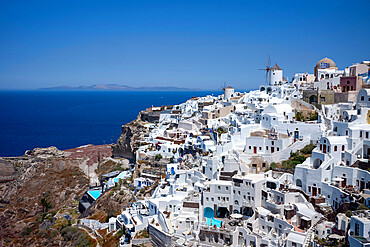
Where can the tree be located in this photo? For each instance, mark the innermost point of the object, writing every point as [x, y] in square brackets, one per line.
[46, 204]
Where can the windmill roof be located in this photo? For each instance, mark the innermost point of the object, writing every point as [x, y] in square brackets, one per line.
[276, 67]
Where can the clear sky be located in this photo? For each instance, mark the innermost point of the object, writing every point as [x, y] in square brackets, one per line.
[195, 44]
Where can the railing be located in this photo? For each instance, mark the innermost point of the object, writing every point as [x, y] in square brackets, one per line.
[310, 233]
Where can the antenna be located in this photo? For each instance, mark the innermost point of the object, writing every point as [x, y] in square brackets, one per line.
[267, 69]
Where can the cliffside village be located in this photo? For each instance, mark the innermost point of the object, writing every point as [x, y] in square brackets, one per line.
[284, 165]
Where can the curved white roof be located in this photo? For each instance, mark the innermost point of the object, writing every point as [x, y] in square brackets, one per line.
[337, 139]
[278, 109]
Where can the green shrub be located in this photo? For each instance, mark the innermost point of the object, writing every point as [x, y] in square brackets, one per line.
[120, 233]
[314, 116]
[349, 213]
[158, 157]
[299, 116]
[307, 149]
[362, 207]
[273, 166]
[75, 235]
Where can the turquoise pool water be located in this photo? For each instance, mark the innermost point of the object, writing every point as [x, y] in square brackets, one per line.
[213, 222]
[208, 213]
[120, 176]
[95, 193]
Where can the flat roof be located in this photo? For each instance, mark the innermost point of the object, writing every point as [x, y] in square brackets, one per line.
[220, 182]
[253, 177]
[296, 237]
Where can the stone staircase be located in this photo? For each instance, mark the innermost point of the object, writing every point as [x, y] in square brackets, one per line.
[311, 233]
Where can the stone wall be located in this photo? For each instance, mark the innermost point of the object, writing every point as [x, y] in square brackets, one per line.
[159, 238]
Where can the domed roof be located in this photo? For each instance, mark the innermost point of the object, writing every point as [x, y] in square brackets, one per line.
[326, 60]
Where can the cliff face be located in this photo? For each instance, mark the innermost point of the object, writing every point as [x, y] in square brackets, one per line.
[131, 136]
[38, 189]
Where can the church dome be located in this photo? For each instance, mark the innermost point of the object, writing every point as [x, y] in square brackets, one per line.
[325, 61]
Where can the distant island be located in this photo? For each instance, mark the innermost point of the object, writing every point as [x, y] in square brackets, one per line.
[116, 87]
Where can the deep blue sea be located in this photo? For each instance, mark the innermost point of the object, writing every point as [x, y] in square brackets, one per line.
[30, 119]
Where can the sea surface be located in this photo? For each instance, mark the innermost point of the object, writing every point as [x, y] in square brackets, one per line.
[30, 119]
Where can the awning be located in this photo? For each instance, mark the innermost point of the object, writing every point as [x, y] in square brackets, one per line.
[129, 226]
[336, 236]
[236, 216]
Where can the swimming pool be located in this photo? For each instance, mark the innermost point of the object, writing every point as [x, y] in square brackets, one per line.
[213, 222]
[95, 193]
[208, 213]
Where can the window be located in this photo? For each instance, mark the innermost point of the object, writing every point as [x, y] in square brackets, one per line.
[206, 199]
[298, 182]
[227, 188]
[309, 189]
[342, 147]
[335, 148]
[362, 98]
[360, 133]
[219, 187]
[367, 135]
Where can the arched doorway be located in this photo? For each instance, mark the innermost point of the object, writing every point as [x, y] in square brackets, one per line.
[247, 211]
[317, 163]
[313, 99]
[222, 212]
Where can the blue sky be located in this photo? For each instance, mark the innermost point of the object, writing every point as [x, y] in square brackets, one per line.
[195, 44]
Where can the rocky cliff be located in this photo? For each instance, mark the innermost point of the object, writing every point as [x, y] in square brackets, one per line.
[38, 189]
[131, 138]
